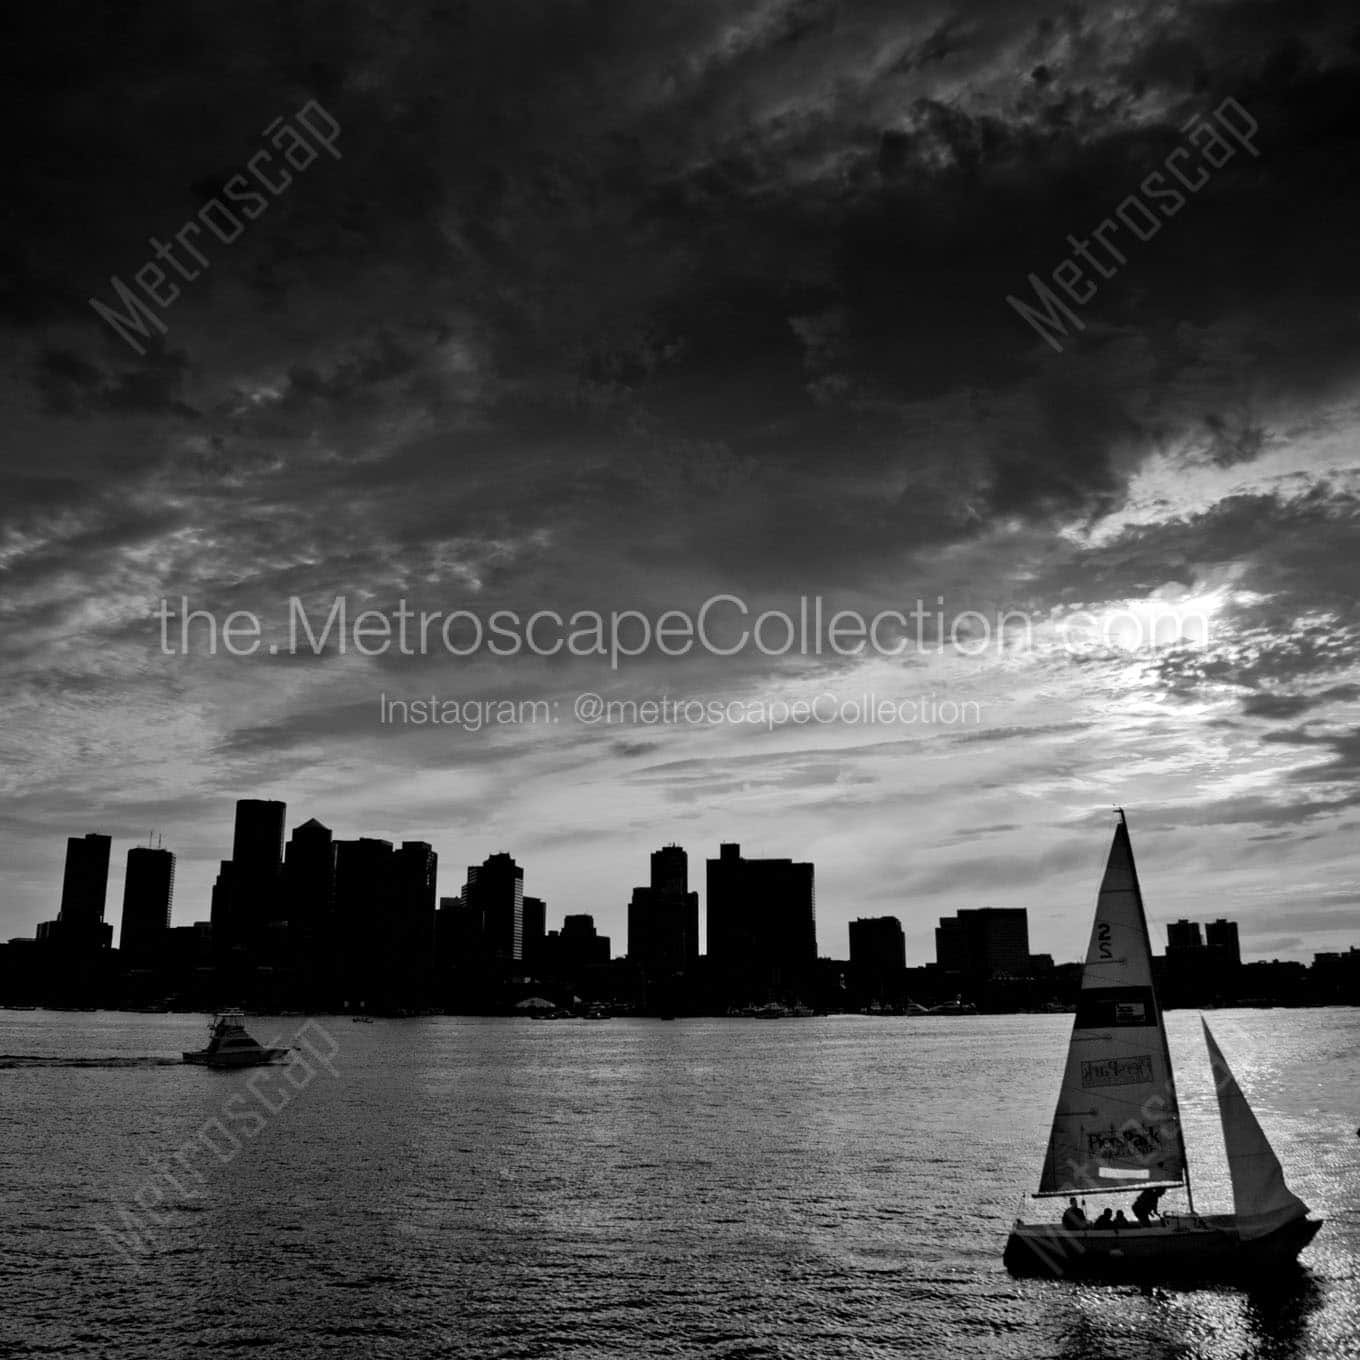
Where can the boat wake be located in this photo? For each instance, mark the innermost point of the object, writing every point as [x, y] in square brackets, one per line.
[13, 1060]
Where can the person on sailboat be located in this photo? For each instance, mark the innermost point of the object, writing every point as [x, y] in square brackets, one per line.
[1074, 1216]
[1106, 1219]
[1145, 1206]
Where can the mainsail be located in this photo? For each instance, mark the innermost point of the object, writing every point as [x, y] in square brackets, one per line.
[1117, 1125]
[1261, 1199]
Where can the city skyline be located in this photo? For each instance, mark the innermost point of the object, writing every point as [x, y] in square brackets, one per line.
[358, 926]
[270, 825]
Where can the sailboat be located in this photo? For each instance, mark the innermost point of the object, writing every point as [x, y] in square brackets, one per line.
[1117, 1129]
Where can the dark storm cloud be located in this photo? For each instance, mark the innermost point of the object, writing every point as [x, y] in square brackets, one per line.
[612, 258]
[1342, 765]
[721, 219]
[73, 386]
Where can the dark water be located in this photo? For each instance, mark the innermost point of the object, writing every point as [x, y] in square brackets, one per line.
[837, 1187]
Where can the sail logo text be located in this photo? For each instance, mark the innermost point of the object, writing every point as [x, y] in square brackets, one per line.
[1117, 1071]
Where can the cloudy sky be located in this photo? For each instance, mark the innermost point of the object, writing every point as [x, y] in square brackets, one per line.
[620, 306]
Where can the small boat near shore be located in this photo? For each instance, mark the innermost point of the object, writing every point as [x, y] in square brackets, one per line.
[1117, 1130]
[230, 1046]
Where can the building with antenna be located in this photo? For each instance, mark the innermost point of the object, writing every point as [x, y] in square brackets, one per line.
[148, 895]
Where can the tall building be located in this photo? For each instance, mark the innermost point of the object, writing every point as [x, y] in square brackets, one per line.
[878, 945]
[762, 931]
[1221, 936]
[411, 932]
[535, 928]
[84, 887]
[225, 932]
[447, 918]
[148, 892]
[258, 840]
[670, 869]
[247, 897]
[309, 876]
[1183, 934]
[305, 913]
[663, 918]
[459, 942]
[494, 896]
[984, 942]
[576, 947]
[365, 898]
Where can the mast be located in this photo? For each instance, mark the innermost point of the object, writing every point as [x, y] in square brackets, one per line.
[1166, 1048]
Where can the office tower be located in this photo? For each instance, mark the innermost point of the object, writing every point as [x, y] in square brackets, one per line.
[148, 891]
[306, 940]
[84, 886]
[1183, 934]
[878, 944]
[663, 918]
[952, 953]
[411, 935]
[670, 869]
[1221, 936]
[762, 919]
[417, 867]
[257, 844]
[309, 876]
[494, 898]
[577, 946]
[248, 898]
[535, 927]
[984, 942]
[448, 920]
[365, 900]
[225, 926]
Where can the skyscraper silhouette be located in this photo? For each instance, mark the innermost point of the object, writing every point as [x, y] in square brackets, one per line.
[309, 876]
[577, 947]
[148, 892]
[535, 928]
[257, 843]
[1221, 936]
[494, 898]
[1183, 934]
[84, 887]
[365, 902]
[878, 945]
[984, 941]
[762, 931]
[247, 897]
[663, 918]
[410, 934]
[307, 903]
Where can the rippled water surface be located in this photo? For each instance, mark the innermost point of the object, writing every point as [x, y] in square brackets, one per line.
[833, 1187]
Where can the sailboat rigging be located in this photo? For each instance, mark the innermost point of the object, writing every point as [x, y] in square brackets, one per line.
[1117, 1125]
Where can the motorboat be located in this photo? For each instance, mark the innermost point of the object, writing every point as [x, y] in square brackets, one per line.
[230, 1046]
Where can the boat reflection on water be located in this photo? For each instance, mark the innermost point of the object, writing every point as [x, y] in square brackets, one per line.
[1279, 1317]
[230, 1046]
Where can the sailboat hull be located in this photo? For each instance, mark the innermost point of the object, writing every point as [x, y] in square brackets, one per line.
[1209, 1247]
